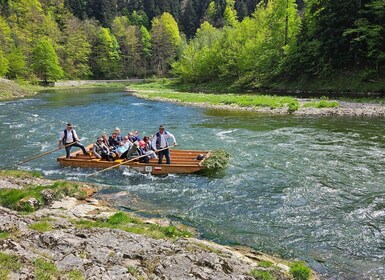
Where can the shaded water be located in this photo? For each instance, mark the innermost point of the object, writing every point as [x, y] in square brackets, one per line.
[300, 187]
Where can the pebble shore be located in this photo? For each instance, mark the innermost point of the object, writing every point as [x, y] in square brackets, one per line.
[345, 108]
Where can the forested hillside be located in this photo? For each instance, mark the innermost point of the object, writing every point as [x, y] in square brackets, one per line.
[248, 42]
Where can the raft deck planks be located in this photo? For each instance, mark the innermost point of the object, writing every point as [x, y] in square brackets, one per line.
[182, 162]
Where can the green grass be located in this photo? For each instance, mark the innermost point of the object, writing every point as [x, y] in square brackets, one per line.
[321, 104]
[4, 234]
[20, 174]
[41, 226]
[125, 222]
[8, 263]
[156, 90]
[300, 271]
[13, 198]
[265, 264]
[262, 274]
[45, 270]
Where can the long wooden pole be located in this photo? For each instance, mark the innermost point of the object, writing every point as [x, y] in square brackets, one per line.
[42, 155]
[123, 162]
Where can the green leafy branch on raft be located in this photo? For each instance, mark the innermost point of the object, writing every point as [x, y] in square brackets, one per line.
[218, 159]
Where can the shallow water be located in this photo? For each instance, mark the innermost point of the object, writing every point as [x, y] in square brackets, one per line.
[301, 187]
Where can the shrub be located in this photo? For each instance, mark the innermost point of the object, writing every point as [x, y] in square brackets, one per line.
[300, 271]
[262, 274]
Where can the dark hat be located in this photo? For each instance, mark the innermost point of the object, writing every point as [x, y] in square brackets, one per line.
[69, 125]
[99, 139]
[161, 126]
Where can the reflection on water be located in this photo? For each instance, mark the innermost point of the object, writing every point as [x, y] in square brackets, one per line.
[302, 187]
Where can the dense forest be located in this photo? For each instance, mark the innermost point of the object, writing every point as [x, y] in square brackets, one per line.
[248, 42]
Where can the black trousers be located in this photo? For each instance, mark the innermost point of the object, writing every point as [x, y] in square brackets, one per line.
[166, 154]
[79, 145]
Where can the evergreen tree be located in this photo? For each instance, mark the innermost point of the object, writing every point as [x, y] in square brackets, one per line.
[230, 14]
[368, 36]
[45, 61]
[189, 20]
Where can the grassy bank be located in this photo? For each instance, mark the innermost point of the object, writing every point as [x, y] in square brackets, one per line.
[173, 91]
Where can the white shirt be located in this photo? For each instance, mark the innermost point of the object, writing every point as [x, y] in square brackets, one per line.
[69, 136]
[163, 139]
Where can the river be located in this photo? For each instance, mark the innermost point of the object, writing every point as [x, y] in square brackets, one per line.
[311, 188]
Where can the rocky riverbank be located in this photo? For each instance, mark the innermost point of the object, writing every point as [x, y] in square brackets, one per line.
[56, 230]
[344, 108]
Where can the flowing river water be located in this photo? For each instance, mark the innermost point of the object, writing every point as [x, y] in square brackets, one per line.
[311, 188]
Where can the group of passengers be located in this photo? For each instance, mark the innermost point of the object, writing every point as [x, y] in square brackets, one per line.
[132, 147]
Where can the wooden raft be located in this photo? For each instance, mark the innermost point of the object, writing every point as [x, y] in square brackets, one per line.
[182, 162]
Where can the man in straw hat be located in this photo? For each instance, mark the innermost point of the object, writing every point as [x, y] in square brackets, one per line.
[159, 141]
[69, 136]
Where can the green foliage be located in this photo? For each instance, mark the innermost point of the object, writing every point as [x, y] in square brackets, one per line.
[230, 14]
[322, 104]
[293, 106]
[217, 160]
[262, 274]
[45, 61]
[3, 64]
[105, 55]
[76, 50]
[126, 222]
[41, 226]
[17, 63]
[4, 234]
[300, 271]
[165, 42]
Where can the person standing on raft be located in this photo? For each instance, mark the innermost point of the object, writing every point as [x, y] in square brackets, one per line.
[69, 136]
[159, 141]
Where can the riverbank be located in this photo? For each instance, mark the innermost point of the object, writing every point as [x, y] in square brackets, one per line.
[57, 229]
[268, 104]
[10, 90]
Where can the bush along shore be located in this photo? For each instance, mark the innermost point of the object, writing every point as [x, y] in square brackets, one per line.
[270, 104]
[57, 230]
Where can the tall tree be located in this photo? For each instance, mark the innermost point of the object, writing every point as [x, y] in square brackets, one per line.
[105, 55]
[75, 50]
[17, 63]
[45, 61]
[3, 64]
[165, 41]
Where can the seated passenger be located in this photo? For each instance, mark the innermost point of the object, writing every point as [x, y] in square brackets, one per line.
[113, 141]
[106, 142]
[146, 148]
[132, 137]
[135, 152]
[120, 149]
[100, 150]
[119, 138]
[126, 143]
